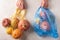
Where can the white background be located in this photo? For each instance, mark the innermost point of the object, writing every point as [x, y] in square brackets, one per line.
[7, 8]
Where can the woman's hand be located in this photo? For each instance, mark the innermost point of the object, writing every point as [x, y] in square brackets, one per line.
[44, 3]
[20, 4]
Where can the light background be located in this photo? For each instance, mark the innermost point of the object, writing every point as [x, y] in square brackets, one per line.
[7, 8]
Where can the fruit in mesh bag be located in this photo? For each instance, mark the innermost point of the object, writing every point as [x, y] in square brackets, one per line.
[17, 33]
[9, 30]
[6, 22]
[22, 14]
[14, 22]
[23, 25]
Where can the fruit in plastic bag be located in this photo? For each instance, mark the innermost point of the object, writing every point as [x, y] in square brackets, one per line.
[45, 25]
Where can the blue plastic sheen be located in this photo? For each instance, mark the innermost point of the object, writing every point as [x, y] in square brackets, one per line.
[50, 18]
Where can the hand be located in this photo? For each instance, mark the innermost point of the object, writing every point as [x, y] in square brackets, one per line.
[44, 3]
[20, 4]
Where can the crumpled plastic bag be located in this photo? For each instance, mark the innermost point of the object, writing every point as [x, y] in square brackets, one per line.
[44, 23]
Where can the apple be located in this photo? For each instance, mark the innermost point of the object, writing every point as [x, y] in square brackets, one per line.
[45, 25]
[9, 30]
[14, 22]
[23, 25]
[6, 22]
[43, 15]
[17, 33]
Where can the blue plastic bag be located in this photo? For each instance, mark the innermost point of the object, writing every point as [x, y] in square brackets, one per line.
[44, 23]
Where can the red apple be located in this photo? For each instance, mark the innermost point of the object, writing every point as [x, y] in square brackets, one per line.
[45, 25]
[42, 14]
[6, 22]
[23, 25]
